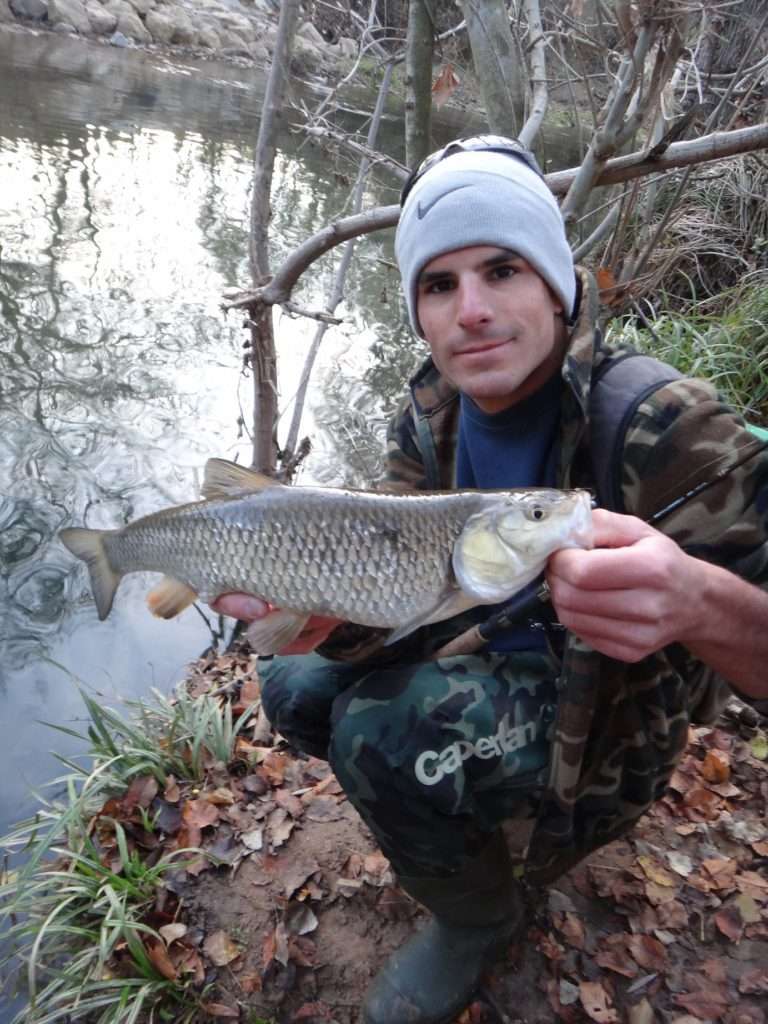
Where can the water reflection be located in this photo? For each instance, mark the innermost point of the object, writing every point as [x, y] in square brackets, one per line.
[123, 217]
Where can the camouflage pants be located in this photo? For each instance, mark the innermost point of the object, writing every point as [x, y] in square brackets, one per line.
[433, 755]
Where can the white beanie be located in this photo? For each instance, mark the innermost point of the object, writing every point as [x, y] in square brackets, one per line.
[477, 197]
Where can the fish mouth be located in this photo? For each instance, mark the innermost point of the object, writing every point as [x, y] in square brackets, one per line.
[583, 533]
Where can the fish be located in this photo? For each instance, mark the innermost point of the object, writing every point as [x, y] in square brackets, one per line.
[392, 561]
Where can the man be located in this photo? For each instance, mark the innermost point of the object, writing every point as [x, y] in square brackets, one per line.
[565, 736]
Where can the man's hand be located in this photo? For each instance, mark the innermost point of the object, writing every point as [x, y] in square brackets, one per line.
[631, 595]
[249, 608]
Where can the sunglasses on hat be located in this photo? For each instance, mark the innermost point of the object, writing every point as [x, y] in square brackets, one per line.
[476, 143]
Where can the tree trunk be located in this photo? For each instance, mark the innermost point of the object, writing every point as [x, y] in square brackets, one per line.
[263, 359]
[418, 83]
[497, 63]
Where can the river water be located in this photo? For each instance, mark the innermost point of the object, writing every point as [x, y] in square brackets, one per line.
[124, 181]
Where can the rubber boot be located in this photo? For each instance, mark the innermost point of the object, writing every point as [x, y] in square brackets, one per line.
[432, 977]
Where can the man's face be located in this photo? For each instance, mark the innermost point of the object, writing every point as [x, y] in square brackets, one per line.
[494, 327]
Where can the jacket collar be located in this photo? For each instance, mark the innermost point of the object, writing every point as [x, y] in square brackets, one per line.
[432, 392]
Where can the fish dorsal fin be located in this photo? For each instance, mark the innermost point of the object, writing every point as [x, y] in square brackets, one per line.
[224, 479]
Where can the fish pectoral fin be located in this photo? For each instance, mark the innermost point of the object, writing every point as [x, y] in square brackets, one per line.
[170, 597]
[224, 479]
[276, 630]
[451, 602]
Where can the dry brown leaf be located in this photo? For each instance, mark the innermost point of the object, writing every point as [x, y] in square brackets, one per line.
[324, 808]
[141, 792]
[573, 930]
[708, 1003]
[444, 86]
[754, 981]
[220, 949]
[728, 920]
[220, 797]
[614, 957]
[188, 961]
[172, 793]
[291, 803]
[272, 768]
[199, 814]
[753, 884]
[702, 804]
[654, 872]
[160, 960]
[649, 953]
[641, 1013]
[597, 1003]
[221, 1011]
[716, 766]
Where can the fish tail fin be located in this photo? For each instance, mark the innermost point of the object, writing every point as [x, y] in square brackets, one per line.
[88, 545]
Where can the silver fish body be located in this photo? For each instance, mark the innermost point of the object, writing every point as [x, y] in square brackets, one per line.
[394, 561]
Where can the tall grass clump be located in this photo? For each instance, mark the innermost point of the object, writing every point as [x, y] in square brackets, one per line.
[724, 340]
[79, 922]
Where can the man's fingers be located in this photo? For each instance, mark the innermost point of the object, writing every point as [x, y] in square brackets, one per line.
[613, 530]
[241, 606]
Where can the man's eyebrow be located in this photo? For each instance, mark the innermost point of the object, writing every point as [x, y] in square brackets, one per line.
[502, 256]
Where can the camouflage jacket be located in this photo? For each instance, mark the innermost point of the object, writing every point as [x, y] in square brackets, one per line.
[620, 728]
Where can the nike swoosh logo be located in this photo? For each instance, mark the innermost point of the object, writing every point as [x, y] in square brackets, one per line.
[423, 208]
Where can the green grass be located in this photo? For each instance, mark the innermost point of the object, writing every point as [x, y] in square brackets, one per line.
[74, 924]
[726, 343]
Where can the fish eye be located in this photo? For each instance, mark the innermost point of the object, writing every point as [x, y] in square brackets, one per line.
[536, 513]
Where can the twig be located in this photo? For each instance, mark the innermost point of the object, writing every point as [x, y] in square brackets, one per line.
[327, 318]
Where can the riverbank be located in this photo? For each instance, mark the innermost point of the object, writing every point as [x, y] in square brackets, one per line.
[228, 29]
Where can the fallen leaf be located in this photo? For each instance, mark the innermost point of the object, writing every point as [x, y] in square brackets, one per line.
[299, 919]
[641, 1013]
[754, 981]
[220, 949]
[597, 1003]
[759, 746]
[220, 1010]
[172, 932]
[729, 921]
[199, 814]
[753, 884]
[291, 803]
[654, 872]
[160, 960]
[707, 1003]
[573, 930]
[716, 766]
[680, 863]
[172, 792]
[745, 1013]
[221, 797]
[253, 840]
[141, 792]
[649, 953]
[295, 871]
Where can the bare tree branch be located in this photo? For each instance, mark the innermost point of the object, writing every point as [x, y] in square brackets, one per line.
[418, 82]
[262, 354]
[706, 149]
[341, 273]
[538, 79]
